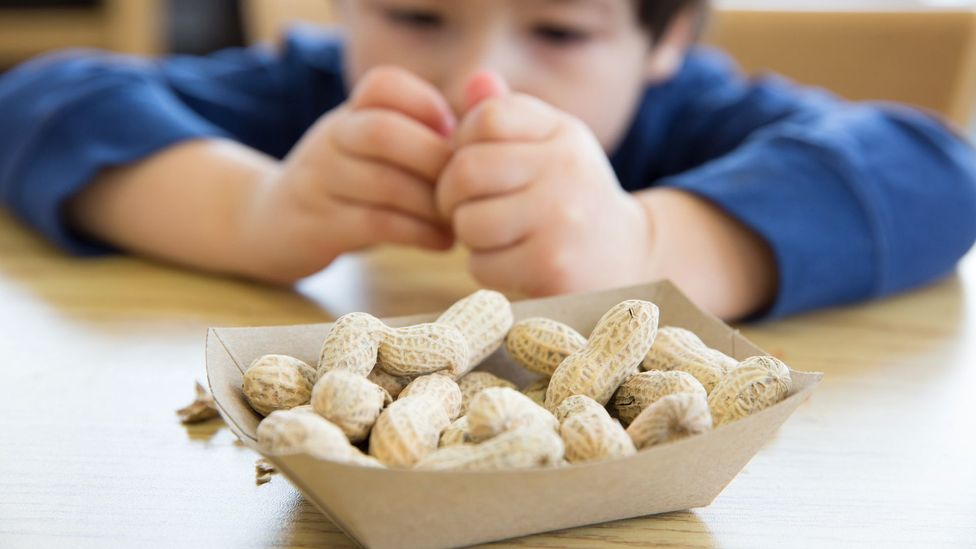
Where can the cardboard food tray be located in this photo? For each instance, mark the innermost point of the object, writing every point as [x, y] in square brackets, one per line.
[404, 508]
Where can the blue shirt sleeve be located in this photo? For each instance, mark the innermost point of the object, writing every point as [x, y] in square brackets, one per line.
[855, 200]
[68, 116]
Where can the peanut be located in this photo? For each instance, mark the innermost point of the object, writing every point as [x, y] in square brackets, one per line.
[680, 349]
[643, 389]
[541, 344]
[456, 433]
[671, 417]
[756, 383]
[499, 409]
[522, 448]
[591, 436]
[475, 382]
[408, 430]
[276, 382]
[579, 404]
[352, 344]
[484, 318]
[440, 387]
[620, 340]
[350, 401]
[422, 349]
[290, 432]
[392, 384]
[537, 390]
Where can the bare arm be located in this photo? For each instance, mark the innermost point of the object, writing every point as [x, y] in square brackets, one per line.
[183, 204]
[362, 175]
[721, 264]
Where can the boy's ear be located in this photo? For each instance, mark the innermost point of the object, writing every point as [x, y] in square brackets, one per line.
[668, 53]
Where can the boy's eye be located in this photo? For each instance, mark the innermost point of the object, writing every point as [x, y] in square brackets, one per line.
[419, 19]
[559, 35]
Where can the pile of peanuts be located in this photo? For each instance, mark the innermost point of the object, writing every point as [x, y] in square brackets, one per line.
[409, 398]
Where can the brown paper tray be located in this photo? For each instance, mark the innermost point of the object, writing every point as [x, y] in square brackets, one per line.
[402, 508]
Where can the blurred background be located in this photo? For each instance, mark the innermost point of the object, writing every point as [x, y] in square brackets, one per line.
[921, 52]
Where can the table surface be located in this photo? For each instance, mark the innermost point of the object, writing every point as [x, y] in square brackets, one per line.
[97, 354]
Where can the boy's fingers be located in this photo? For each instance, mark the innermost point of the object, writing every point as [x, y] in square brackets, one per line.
[534, 266]
[496, 223]
[483, 85]
[513, 117]
[373, 226]
[486, 169]
[392, 137]
[396, 89]
[382, 185]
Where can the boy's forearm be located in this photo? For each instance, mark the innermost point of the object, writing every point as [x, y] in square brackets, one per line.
[723, 266]
[185, 204]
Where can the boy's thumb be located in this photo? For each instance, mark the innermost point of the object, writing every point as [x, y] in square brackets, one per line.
[483, 85]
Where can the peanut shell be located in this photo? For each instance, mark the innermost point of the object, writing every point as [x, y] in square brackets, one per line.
[484, 318]
[680, 349]
[349, 401]
[645, 388]
[440, 387]
[522, 448]
[276, 382]
[613, 353]
[499, 409]
[672, 417]
[756, 383]
[475, 382]
[541, 344]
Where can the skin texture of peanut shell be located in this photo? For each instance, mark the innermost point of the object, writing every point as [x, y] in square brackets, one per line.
[422, 349]
[620, 340]
[352, 344]
[645, 388]
[440, 387]
[671, 418]
[756, 383]
[475, 382]
[392, 384]
[456, 432]
[579, 404]
[592, 436]
[680, 349]
[541, 344]
[291, 432]
[499, 409]
[522, 448]
[408, 430]
[276, 382]
[484, 318]
[537, 391]
[349, 401]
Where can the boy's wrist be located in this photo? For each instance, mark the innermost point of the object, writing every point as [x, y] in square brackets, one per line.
[718, 261]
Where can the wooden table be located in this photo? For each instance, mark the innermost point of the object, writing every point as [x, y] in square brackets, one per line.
[97, 355]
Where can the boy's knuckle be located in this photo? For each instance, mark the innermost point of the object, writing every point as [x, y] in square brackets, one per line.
[383, 78]
[385, 182]
[465, 171]
[490, 122]
[377, 132]
[556, 269]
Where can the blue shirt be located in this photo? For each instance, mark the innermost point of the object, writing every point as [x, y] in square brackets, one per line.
[855, 200]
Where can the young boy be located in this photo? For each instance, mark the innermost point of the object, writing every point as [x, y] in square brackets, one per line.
[569, 144]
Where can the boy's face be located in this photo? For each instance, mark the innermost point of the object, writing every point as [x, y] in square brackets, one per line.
[589, 58]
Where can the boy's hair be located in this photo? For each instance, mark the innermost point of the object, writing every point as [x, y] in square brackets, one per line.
[657, 15]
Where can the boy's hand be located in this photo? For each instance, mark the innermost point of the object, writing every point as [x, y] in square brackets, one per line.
[362, 175]
[532, 194]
